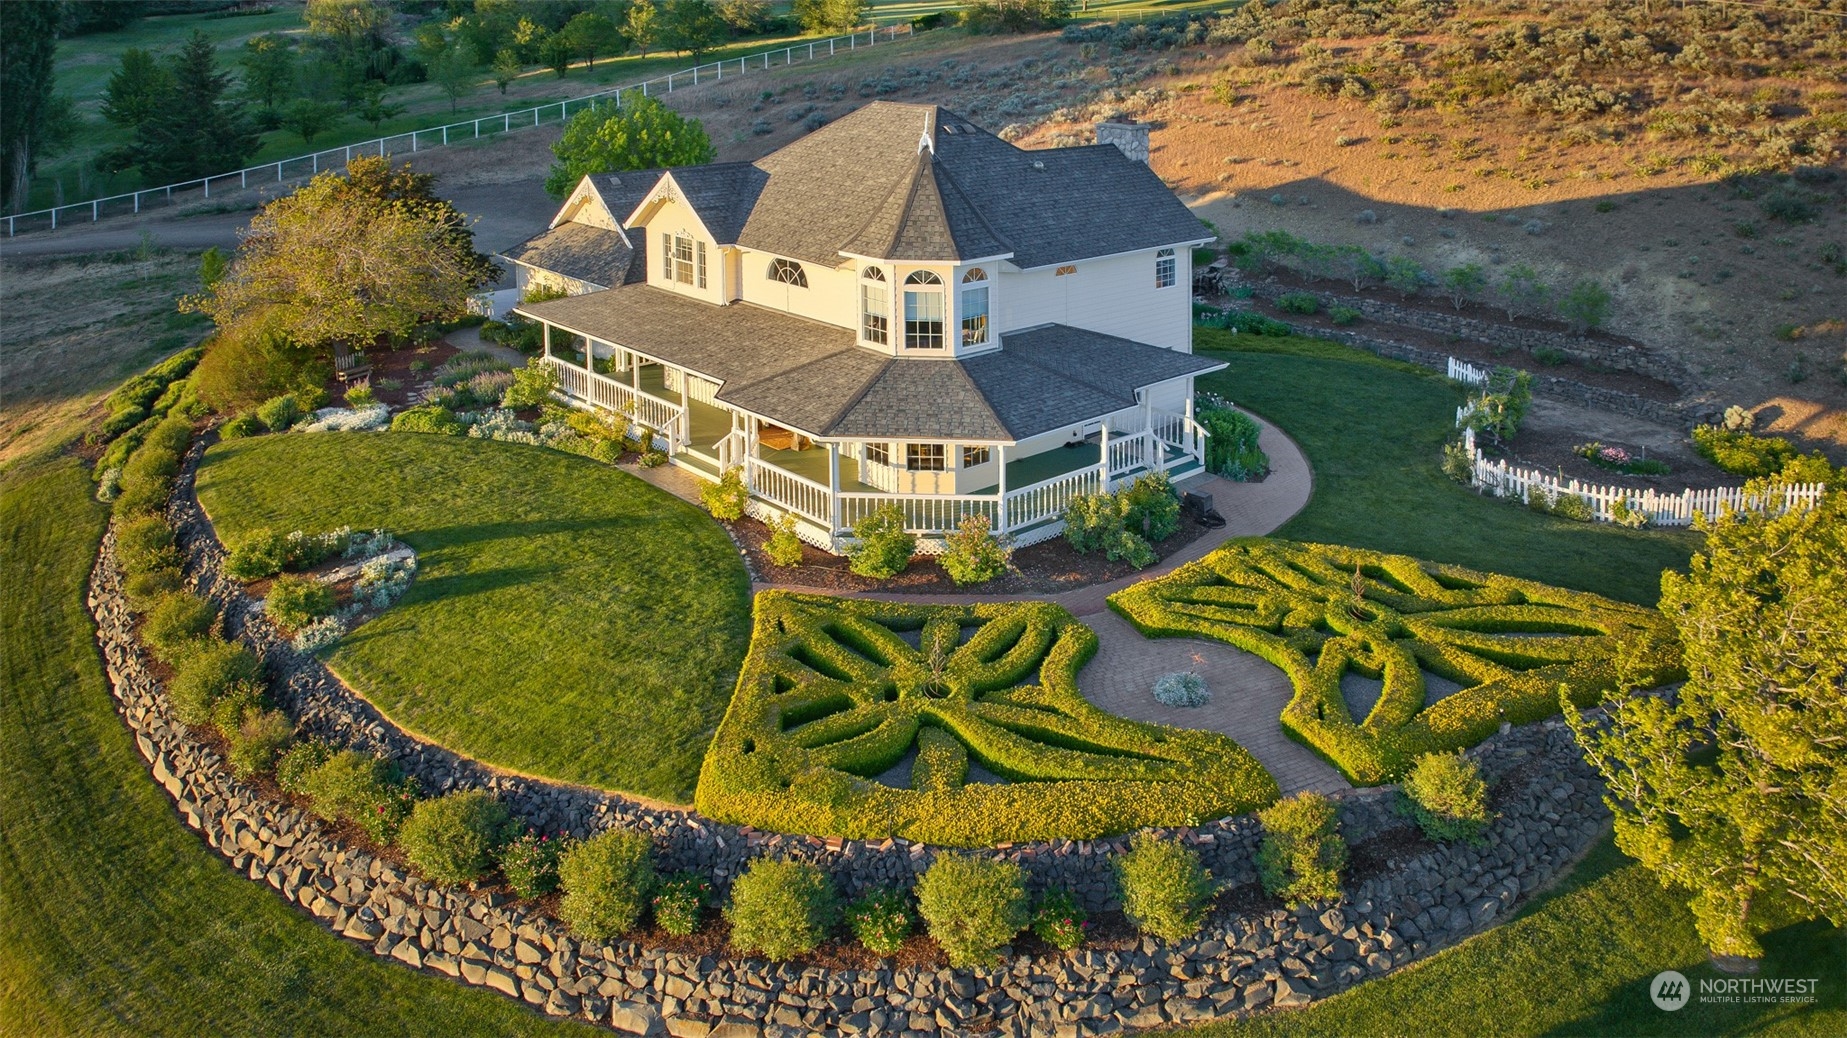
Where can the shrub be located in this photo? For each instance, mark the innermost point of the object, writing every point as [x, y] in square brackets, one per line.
[881, 548]
[359, 395]
[972, 906]
[1343, 315]
[679, 903]
[1586, 305]
[175, 624]
[784, 547]
[1299, 303]
[258, 736]
[1151, 507]
[145, 543]
[532, 385]
[242, 426]
[1059, 922]
[1165, 890]
[246, 365]
[1574, 507]
[257, 556]
[1183, 688]
[294, 602]
[1458, 464]
[726, 498]
[212, 670]
[299, 762]
[428, 418]
[974, 555]
[451, 839]
[607, 881]
[1550, 356]
[1741, 453]
[881, 920]
[530, 863]
[1739, 419]
[279, 413]
[144, 588]
[1231, 441]
[781, 908]
[1302, 853]
[366, 790]
[1445, 795]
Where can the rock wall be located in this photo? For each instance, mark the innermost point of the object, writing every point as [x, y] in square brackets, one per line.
[1581, 349]
[1548, 800]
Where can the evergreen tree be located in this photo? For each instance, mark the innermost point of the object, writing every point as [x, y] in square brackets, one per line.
[27, 111]
[136, 90]
[199, 129]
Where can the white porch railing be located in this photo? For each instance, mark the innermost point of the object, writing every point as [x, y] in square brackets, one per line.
[1133, 451]
[1178, 431]
[930, 514]
[1048, 500]
[787, 490]
[663, 416]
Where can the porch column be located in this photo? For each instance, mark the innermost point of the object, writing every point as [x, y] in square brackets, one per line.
[833, 488]
[1000, 512]
[634, 371]
[1103, 457]
[1191, 447]
[545, 338]
[589, 355]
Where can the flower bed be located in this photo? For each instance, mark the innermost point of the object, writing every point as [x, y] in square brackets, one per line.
[837, 691]
[1318, 611]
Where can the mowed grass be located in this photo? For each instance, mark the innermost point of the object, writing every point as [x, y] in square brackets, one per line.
[568, 620]
[114, 919]
[1374, 432]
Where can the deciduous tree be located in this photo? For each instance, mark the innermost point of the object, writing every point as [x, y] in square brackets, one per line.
[1735, 787]
[310, 118]
[641, 26]
[830, 16]
[641, 134]
[27, 111]
[692, 26]
[1464, 282]
[590, 34]
[506, 68]
[269, 69]
[745, 17]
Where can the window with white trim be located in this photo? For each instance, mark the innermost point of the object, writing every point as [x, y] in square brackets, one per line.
[972, 456]
[788, 272]
[923, 457]
[923, 311]
[975, 307]
[878, 453]
[874, 307]
[1164, 269]
[682, 259]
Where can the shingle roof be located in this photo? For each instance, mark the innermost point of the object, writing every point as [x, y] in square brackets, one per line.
[722, 195]
[622, 192]
[593, 255]
[812, 377]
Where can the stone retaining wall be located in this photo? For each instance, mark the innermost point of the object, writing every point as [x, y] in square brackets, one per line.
[1581, 349]
[1548, 799]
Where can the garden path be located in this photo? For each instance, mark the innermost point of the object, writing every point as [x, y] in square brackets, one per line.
[469, 340]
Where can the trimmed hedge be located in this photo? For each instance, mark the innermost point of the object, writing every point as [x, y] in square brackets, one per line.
[1293, 604]
[973, 906]
[452, 839]
[836, 692]
[607, 881]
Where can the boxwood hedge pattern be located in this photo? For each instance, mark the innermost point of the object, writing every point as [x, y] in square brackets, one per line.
[1512, 644]
[836, 692]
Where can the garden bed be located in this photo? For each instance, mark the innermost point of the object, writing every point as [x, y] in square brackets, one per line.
[1549, 438]
[1047, 568]
[394, 365]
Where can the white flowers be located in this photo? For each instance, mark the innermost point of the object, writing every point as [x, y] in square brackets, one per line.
[320, 634]
[341, 419]
[382, 580]
[364, 544]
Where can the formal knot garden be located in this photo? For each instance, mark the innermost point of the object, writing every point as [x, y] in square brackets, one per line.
[516, 717]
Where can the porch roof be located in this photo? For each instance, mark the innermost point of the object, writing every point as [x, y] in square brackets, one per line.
[812, 377]
[594, 255]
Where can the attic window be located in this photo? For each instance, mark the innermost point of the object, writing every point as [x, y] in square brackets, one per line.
[788, 272]
[1069, 268]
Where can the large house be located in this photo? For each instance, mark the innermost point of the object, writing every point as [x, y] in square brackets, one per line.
[899, 307]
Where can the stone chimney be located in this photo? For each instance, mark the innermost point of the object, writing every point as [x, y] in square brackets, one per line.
[1131, 137]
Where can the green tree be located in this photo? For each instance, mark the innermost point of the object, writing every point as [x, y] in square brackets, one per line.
[198, 129]
[372, 107]
[1404, 274]
[506, 68]
[641, 134]
[27, 112]
[136, 90]
[1522, 291]
[745, 17]
[555, 53]
[488, 28]
[310, 118]
[693, 26]
[1464, 282]
[641, 26]
[453, 72]
[1735, 787]
[589, 34]
[353, 30]
[298, 274]
[830, 16]
[1015, 15]
[269, 69]
[1585, 306]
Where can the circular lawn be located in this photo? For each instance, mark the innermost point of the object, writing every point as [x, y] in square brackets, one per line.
[567, 620]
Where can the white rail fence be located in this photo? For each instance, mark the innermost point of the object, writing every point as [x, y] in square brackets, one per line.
[1467, 373]
[440, 136]
[1504, 480]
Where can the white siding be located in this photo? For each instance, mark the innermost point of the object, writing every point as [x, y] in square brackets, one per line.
[1115, 296]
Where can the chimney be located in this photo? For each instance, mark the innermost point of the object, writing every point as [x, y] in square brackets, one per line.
[1130, 137]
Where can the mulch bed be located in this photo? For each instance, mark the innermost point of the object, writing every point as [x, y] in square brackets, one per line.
[1046, 568]
[1552, 451]
[389, 365]
[1385, 854]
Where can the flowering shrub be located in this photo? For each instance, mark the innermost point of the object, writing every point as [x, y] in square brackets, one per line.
[881, 920]
[368, 791]
[1059, 922]
[299, 761]
[784, 548]
[530, 863]
[382, 581]
[490, 387]
[367, 542]
[463, 367]
[339, 419]
[1182, 688]
[974, 554]
[531, 385]
[319, 634]
[497, 423]
[680, 901]
[1619, 460]
[109, 484]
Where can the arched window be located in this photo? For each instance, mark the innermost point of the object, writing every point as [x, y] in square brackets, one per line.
[923, 311]
[1164, 268]
[788, 272]
[874, 307]
[975, 307]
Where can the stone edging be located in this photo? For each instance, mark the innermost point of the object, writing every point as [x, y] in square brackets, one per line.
[1238, 963]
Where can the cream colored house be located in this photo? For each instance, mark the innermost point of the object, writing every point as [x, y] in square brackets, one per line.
[897, 308]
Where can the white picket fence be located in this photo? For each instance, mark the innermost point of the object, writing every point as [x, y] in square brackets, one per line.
[1504, 480]
[1467, 373]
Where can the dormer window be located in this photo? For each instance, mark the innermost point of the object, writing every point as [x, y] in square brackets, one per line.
[1164, 276]
[923, 311]
[975, 307]
[788, 272]
[874, 307]
[683, 259]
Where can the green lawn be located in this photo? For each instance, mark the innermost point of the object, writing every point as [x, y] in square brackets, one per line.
[567, 620]
[1576, 961]
[1374, 431]
[113, 918]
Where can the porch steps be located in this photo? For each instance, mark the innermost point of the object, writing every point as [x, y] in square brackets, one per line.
[699, 463]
